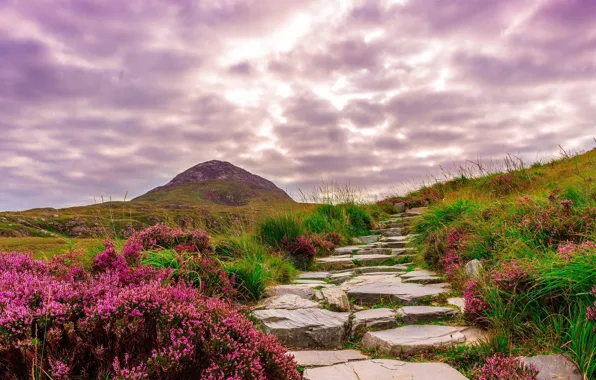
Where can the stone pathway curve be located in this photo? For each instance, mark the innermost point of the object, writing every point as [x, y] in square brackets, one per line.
[372, 294]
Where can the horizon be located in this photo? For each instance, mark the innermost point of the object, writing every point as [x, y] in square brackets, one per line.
[107, 98]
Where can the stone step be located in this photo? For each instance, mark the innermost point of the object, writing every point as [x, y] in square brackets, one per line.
[306, 291]
[378, 319]
[348, 262]
[308, 281]
[373, 293]
[412, 339]
[287, 302]
[319, 358]
[313, 275]
[417, 314]
[390, 231]
[382, 268]
[367, 239]
[384, 369]
[423, 279]
[305, 328]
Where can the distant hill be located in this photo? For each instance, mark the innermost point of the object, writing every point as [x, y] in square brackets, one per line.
[216, 182]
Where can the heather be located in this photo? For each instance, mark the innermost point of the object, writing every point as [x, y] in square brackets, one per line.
[126, 320]
[534, 231]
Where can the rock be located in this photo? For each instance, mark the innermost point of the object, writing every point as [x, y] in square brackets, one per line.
[373, 251]
[390, 231]
[417, 273]
[306, 291]
[312, 282]
[288, 302]
[349, 249]
[374, 318]
[367, 239]
[412, 338]
[313, 275]
[307, 328]
[384, 369]
[400, 207]
[338, 278]
[372, 294]
[552, 367]
[424, 280]
[473, 334]
[473, 268]
[387, 278]
[336, 262]
[325, 358]
[383, 268]
[457, 301]
[336, 298]
[417, 314]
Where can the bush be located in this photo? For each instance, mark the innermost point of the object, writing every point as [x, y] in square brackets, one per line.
[277, 230]
[499, 367]
[163, 237]
[127, 324]
[301, 250]
[361, 223]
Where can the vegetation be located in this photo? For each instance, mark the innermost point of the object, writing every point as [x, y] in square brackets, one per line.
[534, 230]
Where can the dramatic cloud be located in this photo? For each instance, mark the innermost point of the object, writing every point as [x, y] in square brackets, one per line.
[104, 97]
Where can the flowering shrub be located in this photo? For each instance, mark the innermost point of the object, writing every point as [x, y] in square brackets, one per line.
[476, 307]
[125, 322]
[569, 249]
[499, 367]
[511, 277]
[591, 315]
[161, 236]
[301, 250]
[323, 247]
[507, 183]
[333, 237]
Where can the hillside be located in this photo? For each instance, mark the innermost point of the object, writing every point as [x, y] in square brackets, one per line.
[212, 195]
[518, 243]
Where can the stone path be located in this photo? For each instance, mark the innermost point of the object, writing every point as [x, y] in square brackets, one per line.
[372, 294]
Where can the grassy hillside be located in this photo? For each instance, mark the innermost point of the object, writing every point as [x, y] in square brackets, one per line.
[534, 231]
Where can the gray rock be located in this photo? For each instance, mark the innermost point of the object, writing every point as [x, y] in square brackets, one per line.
[325, 358]
[384, 369]
[305, 328]
[374, 318]
[387, 278]
[390, 231]
[424, 279]
[336, 262]
[383, 268]
[372, 294]
[288, 302]
[306, 291]
[552, 367]
[473, 268]
[313, 275]
[338, 278]
[457, 301]
[417, 314]
[412, 338]
[417, 273]
[349, 249]
[400, 207]
[312, 282]
[336, 298]
[374, 251]
[367, 239]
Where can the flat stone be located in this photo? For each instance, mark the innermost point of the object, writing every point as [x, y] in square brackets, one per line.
[305, 328]
[336, 299]
[372, 294]
[473, 334]
[552, 367]
[423, 279]
[349, 249]
[306, 291]
[387, 278]
[439, 285]
[312, 282]
[313, 275]
[384, 369]
[457, 301]
[338, 278]
[412, 338]
[374, 251]
[288, 302]
[391, 231]
[381, 319]
[382, 268]
[325, 358]
[336, 262]
[374, 259]
[367, 239]
[417, 273]
[417, 314]
[396, 274]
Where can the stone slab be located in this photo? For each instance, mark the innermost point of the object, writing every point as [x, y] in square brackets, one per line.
[312, 282]
[413, 338]
[367, 239]
[382, 268]
[417, 314]
[372, 294]
[306, 291]
[305, 328]
[325, 358]
[313, 275]
[288, 302]
[384, 369]
[380, 319]
[423, 279]
[336, 299]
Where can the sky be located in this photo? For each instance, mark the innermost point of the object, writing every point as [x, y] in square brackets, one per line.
[105, 97]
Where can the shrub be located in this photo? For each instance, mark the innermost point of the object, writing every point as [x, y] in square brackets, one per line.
[333, 237]
[124, 324]
[163, 237]
[301, 250]
[361, 223]
[277, 230]
[476, 308]
[323, 246]
[499, 367]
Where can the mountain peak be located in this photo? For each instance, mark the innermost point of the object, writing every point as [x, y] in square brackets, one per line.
[207, 180]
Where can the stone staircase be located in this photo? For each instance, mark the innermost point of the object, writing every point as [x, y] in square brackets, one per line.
[368, 294]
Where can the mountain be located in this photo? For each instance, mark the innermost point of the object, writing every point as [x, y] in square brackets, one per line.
[216, 182]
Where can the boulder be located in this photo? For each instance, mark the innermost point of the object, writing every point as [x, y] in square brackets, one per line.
[473, 268]
[553, 367]
[305, 328]
[336, 299]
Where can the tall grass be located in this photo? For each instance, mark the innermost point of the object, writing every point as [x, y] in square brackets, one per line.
[274, 230]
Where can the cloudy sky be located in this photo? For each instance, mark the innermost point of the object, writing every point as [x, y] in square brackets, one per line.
[108, 96]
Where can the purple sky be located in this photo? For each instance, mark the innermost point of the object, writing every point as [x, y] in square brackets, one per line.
[108, 96]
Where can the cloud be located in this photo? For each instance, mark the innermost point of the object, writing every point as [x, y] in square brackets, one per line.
[104, 97]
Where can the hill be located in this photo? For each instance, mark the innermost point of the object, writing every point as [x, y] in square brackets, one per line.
[211, 195]
[217, 182]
